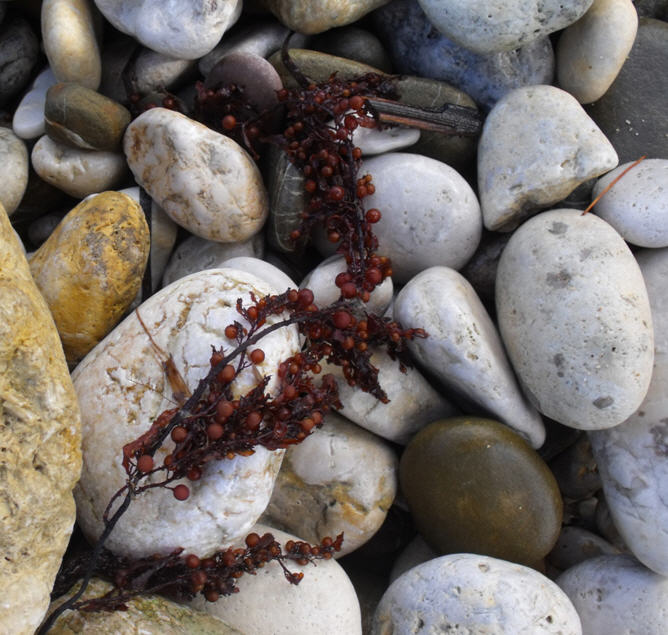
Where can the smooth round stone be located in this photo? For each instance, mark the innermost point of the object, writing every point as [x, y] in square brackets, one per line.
[91, 267]
[323, 603]
[70, 44]
[475, 486]
[430, 214]
[19, 49]
[575, 470]
[80, 117]
[632, 112]
[196, 254]
[466, 593]
[355, 44]
[418, 48]
[75, 171]
[576, 545]
[41, 443]
[575, 319]
[185, 30]
[205, 181]
[501, 25]
[122, 389]
[632, 457]
[28, 121]
[464, 350]
[616, 594]
[14, 159]
[340, 479]
[636, 206]
[537, 145]
[591, 52]
[315, 16]
[157, 71]
[264, 270]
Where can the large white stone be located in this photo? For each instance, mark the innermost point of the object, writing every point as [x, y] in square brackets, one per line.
[264, 270]
[204, 181]
[575, 318]
[122, 389]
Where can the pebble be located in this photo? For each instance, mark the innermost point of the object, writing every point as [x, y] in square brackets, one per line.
[575, 470]
[91, 267]
[70, 44]
[576, 545]
[156, 71]
[75, 171]
[28, 121]
[417, 48]
[636, 206]
[186, 31]
[341, 479]
[501, 25]
[632, 112]
[264, 270]
[204, 180]
[632, 457]
[475, 486]
[323, 603]
[196, 254]
[41, 440]
[373, 141]
[82, 118]
[575, 319]
[616, 594]
[120, 386]
[430, 214]
[537, 145]
[591, 52]
[19, 49]
[467, 593]
[353, 43]
[464, 350]
[14, 159]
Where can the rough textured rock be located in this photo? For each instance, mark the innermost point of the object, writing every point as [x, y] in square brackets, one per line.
[575, 319]
[91, 268]
[40, 444]
[14, 161]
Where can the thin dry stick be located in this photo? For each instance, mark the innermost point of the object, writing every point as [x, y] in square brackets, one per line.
[607, 187]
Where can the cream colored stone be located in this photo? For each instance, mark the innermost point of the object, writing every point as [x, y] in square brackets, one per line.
[264, 270]
[122, 389]
[205, 181]
[40, 444]
[14, 161]
[70, 43]
[91, 268]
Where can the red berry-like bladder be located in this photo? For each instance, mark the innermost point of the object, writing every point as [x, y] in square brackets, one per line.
[181, 492]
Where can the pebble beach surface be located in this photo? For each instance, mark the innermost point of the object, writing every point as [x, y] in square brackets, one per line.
[515, 480]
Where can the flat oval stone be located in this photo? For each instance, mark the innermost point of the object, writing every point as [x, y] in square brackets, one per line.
[19, 49]
[70, 43]
[616, 594]
[80, 117]
[41, 443]
[204, 180]
[122, 389]
[501, 25]
[464, 350]
[28, 121]
[75, 171]
[14, 159]
[430, 214]
[575, 319]
[537, 145]
[340, 479]
[466, 593]
[636, 206]
[91, 267]
[475, 486]
[591, 52]
[186, 30]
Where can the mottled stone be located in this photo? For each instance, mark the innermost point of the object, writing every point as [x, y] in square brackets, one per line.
[466, 593]
[28, 121]
[19, 49]
[185, 30]
[75, 171]
[464, 350]
[537, 145]
[475, 486]
[616, 594]
[576, 545]
[592, 51]
[575, 319]
[40, 439]
[14, 161]
[354, 43]
[204, 180]
[122, 389]
[70, 43]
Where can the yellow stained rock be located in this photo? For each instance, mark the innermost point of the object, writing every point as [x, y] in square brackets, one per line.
[91, 267]
[40, 444]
